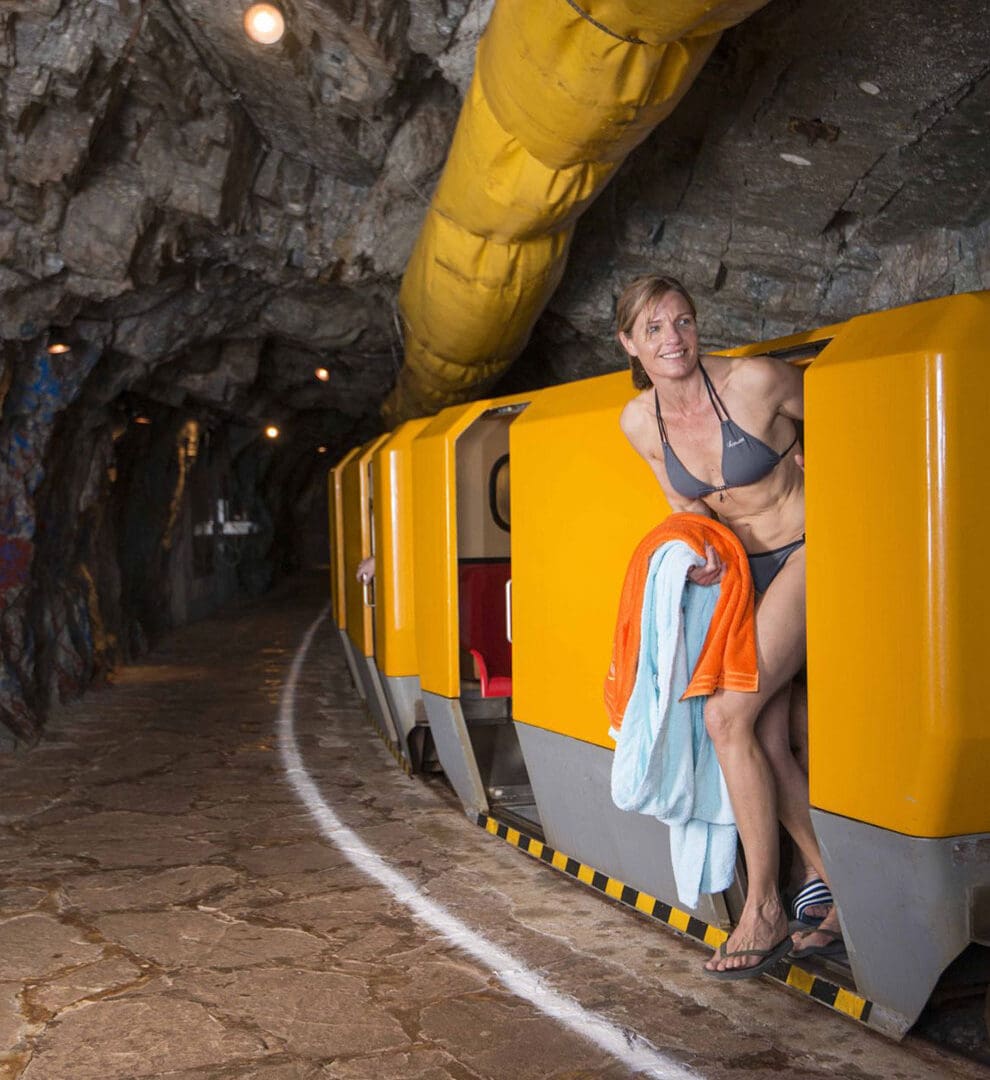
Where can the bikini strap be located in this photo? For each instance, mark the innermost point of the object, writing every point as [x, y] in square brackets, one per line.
[661, 426]
[723, 413]
[717, 404]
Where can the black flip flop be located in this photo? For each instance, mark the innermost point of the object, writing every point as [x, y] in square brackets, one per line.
[769, 957]
[836, 947]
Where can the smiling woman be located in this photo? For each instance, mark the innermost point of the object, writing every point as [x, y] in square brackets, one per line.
[734, 422]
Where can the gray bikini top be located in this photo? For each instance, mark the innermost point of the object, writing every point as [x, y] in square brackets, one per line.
[745, 459]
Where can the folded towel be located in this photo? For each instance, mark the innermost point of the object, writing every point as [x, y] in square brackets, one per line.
[664, 763]
[728, 656]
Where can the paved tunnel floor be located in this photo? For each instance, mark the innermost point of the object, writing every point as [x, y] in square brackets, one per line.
[169, 906]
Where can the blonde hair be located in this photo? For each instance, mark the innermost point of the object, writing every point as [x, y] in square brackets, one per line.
[634, 297]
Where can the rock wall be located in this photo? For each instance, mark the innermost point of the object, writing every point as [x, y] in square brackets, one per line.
[830, 160]
[205, 222]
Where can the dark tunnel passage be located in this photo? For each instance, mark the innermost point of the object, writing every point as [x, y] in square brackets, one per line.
[206, 223]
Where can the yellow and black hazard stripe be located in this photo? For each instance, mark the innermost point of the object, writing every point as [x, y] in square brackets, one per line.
[394, 750]
[828, 993]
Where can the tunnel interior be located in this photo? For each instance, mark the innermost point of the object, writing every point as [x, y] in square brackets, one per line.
[203, 240]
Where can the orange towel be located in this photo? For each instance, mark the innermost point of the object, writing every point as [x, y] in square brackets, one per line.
[728, 656]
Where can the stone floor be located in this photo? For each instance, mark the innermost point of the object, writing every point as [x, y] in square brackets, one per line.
[170, 908]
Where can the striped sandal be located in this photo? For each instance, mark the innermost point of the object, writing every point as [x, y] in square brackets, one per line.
[814, 893]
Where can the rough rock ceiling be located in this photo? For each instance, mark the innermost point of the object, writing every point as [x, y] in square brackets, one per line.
[217, 218]
[210, 212]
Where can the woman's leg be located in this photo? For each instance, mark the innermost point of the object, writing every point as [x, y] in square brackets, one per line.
[781, 752]
[773, 730]
[731, 719]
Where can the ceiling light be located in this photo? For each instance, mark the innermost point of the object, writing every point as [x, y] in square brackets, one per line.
[272, 431]
[142, 420]
[264, 23]
[59, 348]
[321, 449]
[322, 374]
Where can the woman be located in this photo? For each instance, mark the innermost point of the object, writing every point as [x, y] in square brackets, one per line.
[720, 436]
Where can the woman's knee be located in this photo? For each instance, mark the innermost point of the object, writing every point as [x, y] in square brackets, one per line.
[727, 722]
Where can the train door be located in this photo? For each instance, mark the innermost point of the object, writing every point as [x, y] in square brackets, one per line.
[370, 590]
[394, 607]
[484, 604]
[338, 571]
[462, 577]
[357, 533]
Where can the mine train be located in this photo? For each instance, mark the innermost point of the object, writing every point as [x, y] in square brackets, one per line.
[502, 530]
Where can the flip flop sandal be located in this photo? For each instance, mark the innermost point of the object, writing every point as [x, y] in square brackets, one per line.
[836, 947]
[768, 958]
[814, 893]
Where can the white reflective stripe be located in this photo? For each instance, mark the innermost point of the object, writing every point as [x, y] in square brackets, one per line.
[624, 1045]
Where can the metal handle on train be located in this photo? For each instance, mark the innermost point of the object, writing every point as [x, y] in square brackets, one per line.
[508, 609]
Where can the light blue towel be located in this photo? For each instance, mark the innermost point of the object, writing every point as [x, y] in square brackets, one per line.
[665, 764]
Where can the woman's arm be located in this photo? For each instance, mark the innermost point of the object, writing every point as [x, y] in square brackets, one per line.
[777, 382]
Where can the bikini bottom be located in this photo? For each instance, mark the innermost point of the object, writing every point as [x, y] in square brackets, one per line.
[765, 565]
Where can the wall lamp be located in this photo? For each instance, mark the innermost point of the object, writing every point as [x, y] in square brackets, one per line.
[272, 431]
[57, 346]
[264, 23]
[322, 374]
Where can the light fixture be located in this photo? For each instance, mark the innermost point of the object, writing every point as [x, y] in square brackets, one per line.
[272, 431]
[142, 419]
[59, 348]
[264, 23]
[321, 449]
[322, 374]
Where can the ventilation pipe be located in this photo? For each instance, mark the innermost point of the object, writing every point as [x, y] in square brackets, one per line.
[560, 95]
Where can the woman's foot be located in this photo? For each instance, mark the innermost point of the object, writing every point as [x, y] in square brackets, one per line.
[823, 940]
[755, 943]
[812, 902]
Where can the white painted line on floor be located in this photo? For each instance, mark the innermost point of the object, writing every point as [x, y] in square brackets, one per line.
[625, 1045]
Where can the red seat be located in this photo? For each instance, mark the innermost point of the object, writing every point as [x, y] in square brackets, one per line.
[491, 686]
[481, 588]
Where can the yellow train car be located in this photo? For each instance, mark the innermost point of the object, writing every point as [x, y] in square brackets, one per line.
[338, 579]
[357, 501]
[394, 610]
[898, 624]
[525, 511]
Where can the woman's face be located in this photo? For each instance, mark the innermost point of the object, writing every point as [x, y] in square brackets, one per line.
[664, 338]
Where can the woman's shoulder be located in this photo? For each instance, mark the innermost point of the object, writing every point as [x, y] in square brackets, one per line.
[638, 405]
[636, 414]
[753, 374]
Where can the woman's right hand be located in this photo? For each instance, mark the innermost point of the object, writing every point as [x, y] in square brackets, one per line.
[709, 574]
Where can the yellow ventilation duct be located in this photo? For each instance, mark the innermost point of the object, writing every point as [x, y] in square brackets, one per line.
[560, 95]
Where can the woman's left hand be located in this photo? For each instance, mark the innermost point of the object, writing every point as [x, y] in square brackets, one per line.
[709, 574]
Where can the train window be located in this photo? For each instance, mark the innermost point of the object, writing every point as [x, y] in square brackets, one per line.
[482, 485]
[498, 492]
[800, 354]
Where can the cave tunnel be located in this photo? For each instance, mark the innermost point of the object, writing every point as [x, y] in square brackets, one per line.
[208, 222]
[204, 239]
